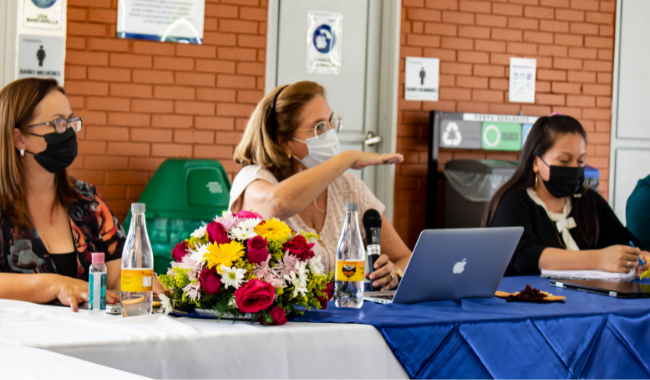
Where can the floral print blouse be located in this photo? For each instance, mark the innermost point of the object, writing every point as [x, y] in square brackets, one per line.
[94, 229]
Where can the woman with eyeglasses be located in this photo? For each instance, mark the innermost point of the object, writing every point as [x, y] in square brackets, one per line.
[567, 226]
[50, 223]
[293, 170]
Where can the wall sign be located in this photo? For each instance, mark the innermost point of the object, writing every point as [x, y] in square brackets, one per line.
[501, 136]
[161, 20]
[522, 80]
[422, 79]
[41, 57]
[43, 14]
[324, 42]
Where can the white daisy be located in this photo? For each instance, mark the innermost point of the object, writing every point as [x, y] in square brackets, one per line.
[316, 267]
[166, 306]
[233, 303]
[226, 214]
[198, 255]
[239, 233]
[232, 276]
[301, 270]
[298, 286]
[199, 233]
[249, 224]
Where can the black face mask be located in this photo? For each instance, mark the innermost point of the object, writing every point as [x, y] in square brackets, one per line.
[564, 181]
[60, 152]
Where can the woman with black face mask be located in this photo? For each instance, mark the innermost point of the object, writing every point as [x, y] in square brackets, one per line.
[567, 226]
[50, 223]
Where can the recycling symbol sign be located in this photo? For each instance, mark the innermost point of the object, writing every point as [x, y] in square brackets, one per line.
[451, 136]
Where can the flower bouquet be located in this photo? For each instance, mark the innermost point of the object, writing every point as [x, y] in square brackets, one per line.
[242, 265]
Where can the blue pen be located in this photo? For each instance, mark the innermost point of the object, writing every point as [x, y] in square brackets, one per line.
[640, 261]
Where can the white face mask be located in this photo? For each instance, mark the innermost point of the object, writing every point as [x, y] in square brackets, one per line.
[320, 149]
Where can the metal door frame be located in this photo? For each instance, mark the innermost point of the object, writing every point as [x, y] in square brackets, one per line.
[8, 27]
[619, 143]
[387, 76]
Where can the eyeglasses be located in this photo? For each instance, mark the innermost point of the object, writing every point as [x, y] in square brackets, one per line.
[61, 125]
[335, 123]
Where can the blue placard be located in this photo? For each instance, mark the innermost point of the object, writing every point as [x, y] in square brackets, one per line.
[525, 130]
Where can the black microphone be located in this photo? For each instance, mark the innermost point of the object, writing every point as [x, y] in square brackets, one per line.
[372, 223]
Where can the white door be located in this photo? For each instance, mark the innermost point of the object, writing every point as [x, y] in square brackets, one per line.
[630, 138]
[354, 92]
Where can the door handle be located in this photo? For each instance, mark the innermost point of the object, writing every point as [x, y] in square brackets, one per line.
[371, 139]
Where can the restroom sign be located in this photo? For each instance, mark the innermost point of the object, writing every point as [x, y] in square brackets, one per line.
[41, 57]
[422, 79]
[324, 42]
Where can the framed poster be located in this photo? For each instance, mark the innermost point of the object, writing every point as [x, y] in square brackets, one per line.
[161, 20]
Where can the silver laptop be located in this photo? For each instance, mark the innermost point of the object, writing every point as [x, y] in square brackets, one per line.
[450, 264]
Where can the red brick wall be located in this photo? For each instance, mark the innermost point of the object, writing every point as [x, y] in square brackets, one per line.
[143, 102]
[572, 41]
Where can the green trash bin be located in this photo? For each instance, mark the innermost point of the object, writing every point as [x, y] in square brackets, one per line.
[181, 196]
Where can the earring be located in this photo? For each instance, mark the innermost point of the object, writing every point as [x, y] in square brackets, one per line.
[289, 155]
[535, 181]
[22, 152]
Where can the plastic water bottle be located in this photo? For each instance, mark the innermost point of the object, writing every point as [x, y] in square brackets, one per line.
[97, 283]
[350, 259]
[137, 267]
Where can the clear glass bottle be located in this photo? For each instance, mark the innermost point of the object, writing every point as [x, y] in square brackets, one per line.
[350, 260]
[97, 283]
[137, 267]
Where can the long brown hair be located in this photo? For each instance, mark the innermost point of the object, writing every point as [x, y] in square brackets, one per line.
[541, 138]
[18, 100]
[266, 129]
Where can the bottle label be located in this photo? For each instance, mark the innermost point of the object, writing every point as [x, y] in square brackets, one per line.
[97, 291]
[136, 280]
[349, 270]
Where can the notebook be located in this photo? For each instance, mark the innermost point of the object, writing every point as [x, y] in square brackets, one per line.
[588, 275]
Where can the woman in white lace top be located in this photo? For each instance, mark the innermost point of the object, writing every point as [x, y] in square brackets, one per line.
[292, 170]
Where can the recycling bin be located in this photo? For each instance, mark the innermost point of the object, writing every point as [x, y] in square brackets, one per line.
[182, 195]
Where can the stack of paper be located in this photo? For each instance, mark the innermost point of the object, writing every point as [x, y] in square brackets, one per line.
[588, 275]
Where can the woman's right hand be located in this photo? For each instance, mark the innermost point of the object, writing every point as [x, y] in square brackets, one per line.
[71, 292]
[617, 257]
[362, 160]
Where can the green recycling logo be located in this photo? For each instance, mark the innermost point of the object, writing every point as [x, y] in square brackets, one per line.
[452, 129]
[487, 141]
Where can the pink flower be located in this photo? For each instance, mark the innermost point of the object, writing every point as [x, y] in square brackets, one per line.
[217, 233]
[329, 293]
[248, 215]
[299, 247]
[278, 315]
[286, 266]
[257, 251]
[210, 281]
[179, 251]
[255, 296]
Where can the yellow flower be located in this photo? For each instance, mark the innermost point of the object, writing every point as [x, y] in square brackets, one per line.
[273, 229]
[224, 254]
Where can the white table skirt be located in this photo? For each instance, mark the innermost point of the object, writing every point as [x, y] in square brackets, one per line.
[159, 346]
[32, 363]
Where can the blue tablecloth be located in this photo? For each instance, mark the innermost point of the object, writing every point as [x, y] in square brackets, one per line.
[588, 336]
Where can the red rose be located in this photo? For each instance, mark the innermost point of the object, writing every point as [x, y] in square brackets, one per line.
[210, 280]
[257, 251]
[217, 233]
[278, 315]
[248, 215]
[299, 248]
[256, 295]
[329, 291]
[179, 251]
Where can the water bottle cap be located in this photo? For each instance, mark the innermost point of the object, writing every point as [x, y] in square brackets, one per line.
[98, 257]
[351, 206]
[138, 207]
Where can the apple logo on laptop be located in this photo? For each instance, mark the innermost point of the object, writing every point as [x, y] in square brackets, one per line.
[459, 267]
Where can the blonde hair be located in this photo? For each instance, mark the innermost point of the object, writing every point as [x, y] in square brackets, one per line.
[266, 129]
[18, 100]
